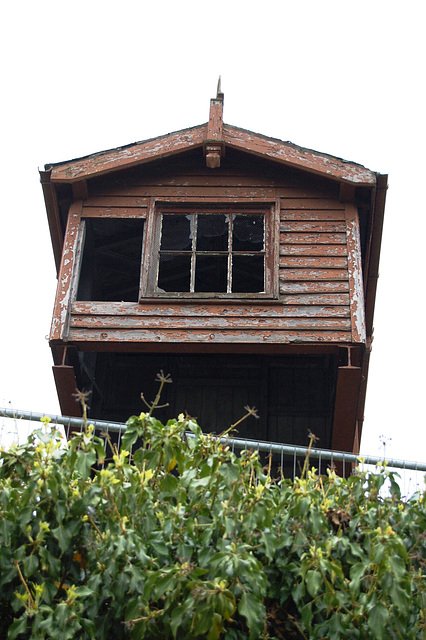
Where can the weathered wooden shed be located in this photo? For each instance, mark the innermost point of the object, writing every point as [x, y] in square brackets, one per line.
[243, 265]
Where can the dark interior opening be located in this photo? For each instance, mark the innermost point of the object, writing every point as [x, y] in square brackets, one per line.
[111, 263]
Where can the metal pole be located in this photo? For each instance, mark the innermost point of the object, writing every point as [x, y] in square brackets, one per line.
[240, 443]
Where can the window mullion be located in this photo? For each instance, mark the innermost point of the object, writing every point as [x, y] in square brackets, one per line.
[193, 249]
[229, 279]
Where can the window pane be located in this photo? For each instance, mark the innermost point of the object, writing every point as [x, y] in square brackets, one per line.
[211, 273]
[212, 232]
[176, 232]
[111, 263]
[174, 273]
[248, 274]
[248, 232]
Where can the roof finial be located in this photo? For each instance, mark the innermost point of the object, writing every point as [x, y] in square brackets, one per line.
[219, 94]
[214, 146]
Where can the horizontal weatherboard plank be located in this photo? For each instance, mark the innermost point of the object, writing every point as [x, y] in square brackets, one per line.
[101, 309]
[212, 323]
[312, 238]
[313, 250]
[286, 336]
[304, 262]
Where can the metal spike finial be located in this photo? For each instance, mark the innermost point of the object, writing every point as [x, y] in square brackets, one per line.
[219, 93]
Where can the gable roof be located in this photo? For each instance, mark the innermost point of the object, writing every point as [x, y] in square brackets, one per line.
[284, 153]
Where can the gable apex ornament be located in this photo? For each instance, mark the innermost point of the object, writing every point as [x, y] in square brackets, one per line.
[214, 145]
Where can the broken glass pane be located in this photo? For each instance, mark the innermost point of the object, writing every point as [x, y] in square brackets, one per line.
[174, 273]
[248, 274]
[176, 232]
[212, 232]
[211, 273]
[248, 232]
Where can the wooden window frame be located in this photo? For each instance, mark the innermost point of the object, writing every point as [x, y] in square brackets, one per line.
[150, 258]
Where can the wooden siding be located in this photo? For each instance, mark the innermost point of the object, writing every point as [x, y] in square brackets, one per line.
[313, 259]
[316, 282]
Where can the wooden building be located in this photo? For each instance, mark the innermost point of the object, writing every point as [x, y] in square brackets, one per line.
[244, 266]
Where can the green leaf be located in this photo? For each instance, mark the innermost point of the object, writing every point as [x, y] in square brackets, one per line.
[63, 536]
[357, 571]
[377, 620]
[100, 450]
[84, 591]
[216, 627]
[133, 609]
[85, 461]
[397, 566]
[30, 565]
[313, 581]
[394, 486]
[134, 430]
[316, 521]
[17, 627]
[399, 597]
[254, 613]
[169, 484]
[269, 539]
[302, 506]
[176, 619]
[163, 584]
[61, 510]
[230, 473]
[89, 626]
[307, 615]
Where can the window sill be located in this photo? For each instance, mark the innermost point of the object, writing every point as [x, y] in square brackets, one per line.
[205, 297]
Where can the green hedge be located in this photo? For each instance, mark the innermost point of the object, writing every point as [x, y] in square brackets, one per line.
[185, 539]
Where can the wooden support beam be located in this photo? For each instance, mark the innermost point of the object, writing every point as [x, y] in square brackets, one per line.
[345, 409]
[63, 292]
[52, 216]
[66, 387]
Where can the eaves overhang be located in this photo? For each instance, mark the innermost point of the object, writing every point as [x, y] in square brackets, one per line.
[286, 153]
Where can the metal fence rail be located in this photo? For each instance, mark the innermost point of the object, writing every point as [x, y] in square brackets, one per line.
[322, 456]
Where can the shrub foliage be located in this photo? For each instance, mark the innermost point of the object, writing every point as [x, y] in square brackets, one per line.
[185, 539]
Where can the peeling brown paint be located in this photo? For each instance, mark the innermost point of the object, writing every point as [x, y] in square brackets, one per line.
[313, 238]
[283, 152]
[304, 262]
[310, 226]
[202, 336]
[63, 291]
[313, 250]
[286, 152]
[356, 288]
[129, 156]
[232, 325]
[177, 310]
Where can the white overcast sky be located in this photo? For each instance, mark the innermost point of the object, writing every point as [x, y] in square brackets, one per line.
[344, 78]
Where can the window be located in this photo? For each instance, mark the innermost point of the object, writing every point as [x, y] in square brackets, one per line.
[201, 252]
[111, 260]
